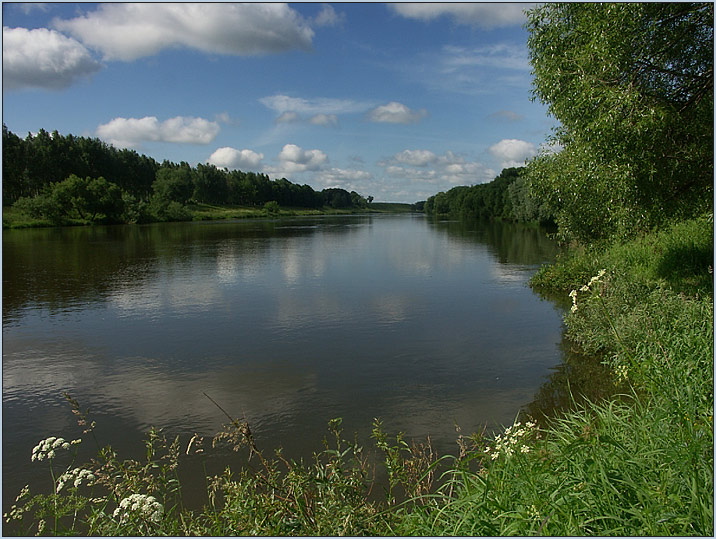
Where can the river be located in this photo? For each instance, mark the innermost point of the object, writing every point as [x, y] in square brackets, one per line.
[287, 322]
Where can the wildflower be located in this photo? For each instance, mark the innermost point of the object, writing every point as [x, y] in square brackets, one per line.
[141, 506]
[77, 476]
[512, 440]
[46, 448]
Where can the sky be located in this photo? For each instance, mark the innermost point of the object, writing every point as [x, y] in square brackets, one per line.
[394, 101]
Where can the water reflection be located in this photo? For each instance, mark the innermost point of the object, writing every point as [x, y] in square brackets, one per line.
[289, 323]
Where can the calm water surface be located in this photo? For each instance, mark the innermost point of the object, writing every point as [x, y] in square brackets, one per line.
[289, 323]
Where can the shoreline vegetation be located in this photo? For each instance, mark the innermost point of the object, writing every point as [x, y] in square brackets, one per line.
[629, 186]
[14, 218]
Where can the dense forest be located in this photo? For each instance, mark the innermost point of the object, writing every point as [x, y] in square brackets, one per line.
[58, 177]
[506, 197]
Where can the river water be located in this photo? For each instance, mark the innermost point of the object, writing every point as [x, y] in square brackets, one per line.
[288, 323]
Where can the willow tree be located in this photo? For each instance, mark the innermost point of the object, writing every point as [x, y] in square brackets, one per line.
[631, 85]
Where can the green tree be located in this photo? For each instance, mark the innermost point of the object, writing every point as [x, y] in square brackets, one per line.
[88, 199]
[174, 183]
[632, 87]
[272, 208]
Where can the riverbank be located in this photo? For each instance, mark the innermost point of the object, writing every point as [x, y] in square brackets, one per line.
[640, 463]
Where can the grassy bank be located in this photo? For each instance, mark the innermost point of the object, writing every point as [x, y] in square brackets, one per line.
[639, 463]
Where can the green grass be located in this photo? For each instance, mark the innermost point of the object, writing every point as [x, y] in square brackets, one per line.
[637, 463]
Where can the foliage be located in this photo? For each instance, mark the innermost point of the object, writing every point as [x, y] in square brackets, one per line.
[271, 207]
[87, 199]
[505, 197]
[632, 86]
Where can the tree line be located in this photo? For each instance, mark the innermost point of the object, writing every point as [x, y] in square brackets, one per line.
[506, 197]
[53, 176]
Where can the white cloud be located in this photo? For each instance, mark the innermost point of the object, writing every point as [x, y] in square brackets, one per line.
[513, 152]
[130, 132]
[330, 120]
[328, 16]
[485, 15]
[349, 179]
[396, 113]
[417, 158]
[234, 159]
[295, 159]
[43, 58]
[447, 170]
[129, 31]
[280, 104]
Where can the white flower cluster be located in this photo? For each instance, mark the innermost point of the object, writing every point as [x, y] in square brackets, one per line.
[145, 507]
[596, 279]
[76, 476]
[512, 440]
[46, 448]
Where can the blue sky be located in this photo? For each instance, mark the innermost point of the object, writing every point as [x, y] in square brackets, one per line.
[395, 101]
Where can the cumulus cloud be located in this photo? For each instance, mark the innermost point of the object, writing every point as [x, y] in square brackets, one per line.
[129, 31]
[130, 132]
[513, 152]
[483, 15]
[294, 159]
[349, 179]
[43, 58]
[396, 113]
[448, 169]
[234, 159]
[418, 158]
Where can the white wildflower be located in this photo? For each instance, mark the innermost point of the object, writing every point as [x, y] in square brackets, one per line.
[78, 476]
[141, 506]
[46, 448]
